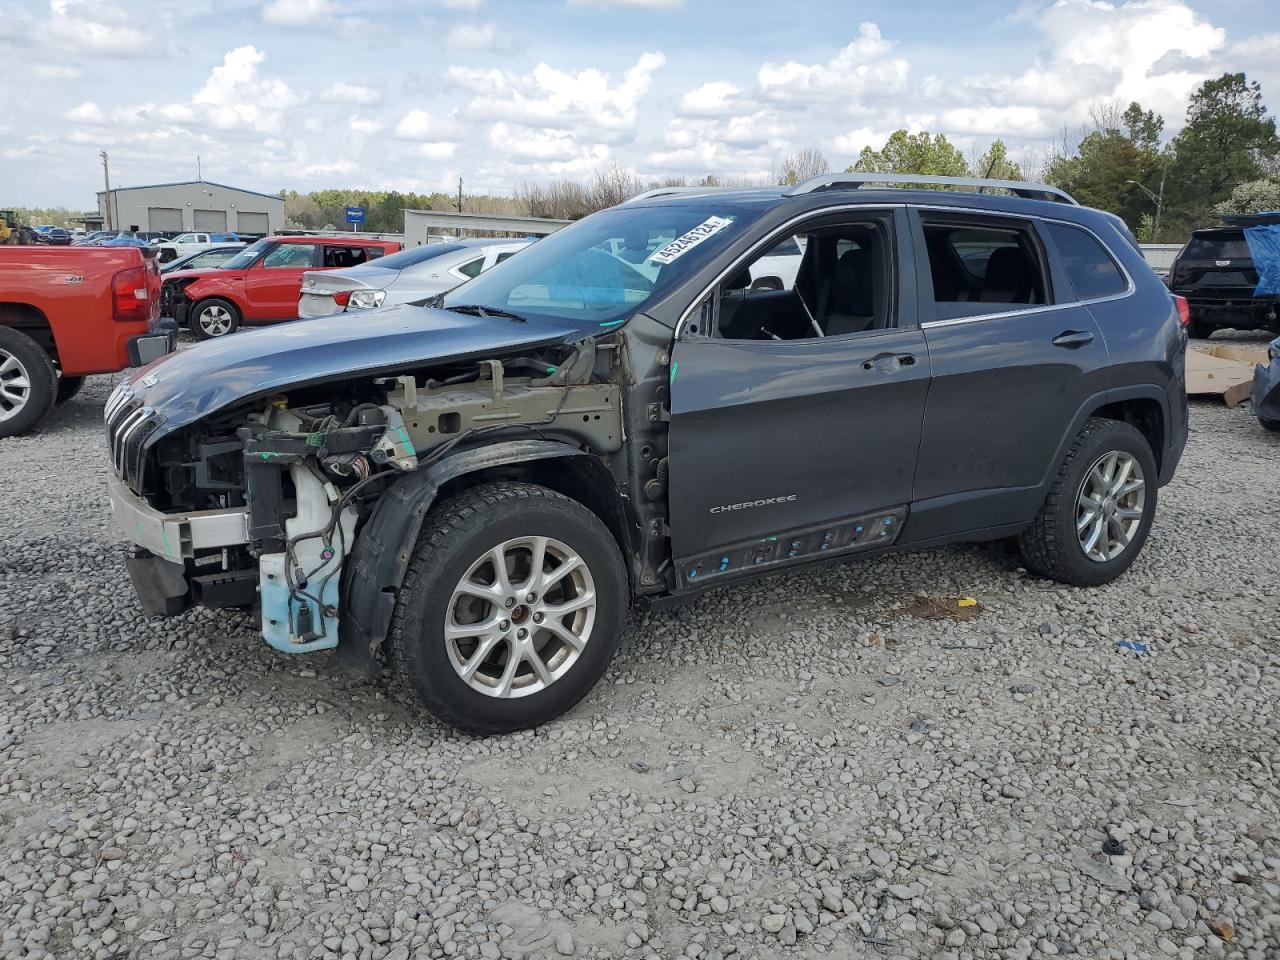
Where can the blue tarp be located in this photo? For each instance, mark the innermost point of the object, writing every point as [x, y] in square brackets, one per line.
[1264, 247]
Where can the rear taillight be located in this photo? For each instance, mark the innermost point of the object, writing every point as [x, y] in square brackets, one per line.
[130, 298]
[1184, 310]
[342, 297]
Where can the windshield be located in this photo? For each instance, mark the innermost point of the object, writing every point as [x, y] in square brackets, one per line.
[247, 256]
[605, 267]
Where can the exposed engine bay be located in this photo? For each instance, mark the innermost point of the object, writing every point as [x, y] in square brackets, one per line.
[306, 468]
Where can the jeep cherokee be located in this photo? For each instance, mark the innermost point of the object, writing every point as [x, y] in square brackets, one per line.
[471, 492]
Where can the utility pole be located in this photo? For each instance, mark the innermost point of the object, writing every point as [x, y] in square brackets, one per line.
[106, 179]
[199, 174]
[459, 194]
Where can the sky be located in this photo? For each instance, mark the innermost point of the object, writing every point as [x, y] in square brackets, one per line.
[411, 94]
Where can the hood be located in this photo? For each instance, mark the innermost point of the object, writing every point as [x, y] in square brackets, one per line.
[196, 382]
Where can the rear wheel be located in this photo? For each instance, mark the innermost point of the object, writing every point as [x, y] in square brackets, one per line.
[214, 317]
[68, 387]
[1269, 424]
[1099, 509]
[511, 609]
[28, 382]
[1199, 330]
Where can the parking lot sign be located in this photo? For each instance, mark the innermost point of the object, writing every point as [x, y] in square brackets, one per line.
[355, 215]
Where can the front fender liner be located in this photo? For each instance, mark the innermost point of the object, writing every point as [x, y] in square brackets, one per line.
[380, 558]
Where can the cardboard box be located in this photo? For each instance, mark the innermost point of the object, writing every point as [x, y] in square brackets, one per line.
[1223, 370]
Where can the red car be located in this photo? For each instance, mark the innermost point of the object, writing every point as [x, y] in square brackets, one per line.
[261, 283]
[66, 312]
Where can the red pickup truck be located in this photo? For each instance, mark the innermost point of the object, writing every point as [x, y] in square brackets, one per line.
[66, 312]
[260, 284]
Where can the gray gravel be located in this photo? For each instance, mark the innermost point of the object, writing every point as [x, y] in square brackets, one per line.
[836, 763]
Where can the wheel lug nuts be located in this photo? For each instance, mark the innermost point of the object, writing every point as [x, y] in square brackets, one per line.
[509, 602]
[504, 625]
[537, 618]
[522, 633]
[530, 598]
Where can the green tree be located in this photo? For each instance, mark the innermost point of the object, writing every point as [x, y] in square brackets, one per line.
[996, 165]
[919, 153]
[1255, 196]
[1228, 140]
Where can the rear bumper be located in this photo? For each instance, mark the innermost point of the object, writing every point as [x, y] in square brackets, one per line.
[147, 347]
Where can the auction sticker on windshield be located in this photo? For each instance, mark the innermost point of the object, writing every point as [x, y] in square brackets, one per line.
[683, 244]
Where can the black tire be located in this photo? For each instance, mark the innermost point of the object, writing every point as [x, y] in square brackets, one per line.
[1269, 424]
[21, 408]
[201, 326]
[456, 535]
[1050, 546]
[68, 387]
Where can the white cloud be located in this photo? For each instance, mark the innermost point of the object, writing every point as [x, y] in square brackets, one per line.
[439, 150]
[712, 99]
[87, 112]
[863, 69]
[365, 126]
[415, 125]
[357, 93]
[299, 13]
[50, 71]
[469, 5]
[533, 144]
[95, 28]
[629, 4]
[472, 36]
[551, 98]
[237, 96]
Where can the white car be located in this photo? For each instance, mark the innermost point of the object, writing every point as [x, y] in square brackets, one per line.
[404, 277]
[186, 243]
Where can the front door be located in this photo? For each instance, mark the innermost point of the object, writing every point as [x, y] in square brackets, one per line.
[1014, 359]
[274, 283]
[802, 408]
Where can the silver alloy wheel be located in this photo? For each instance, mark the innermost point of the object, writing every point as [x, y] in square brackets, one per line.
[214, 320]
[520, 617]
[15, 386]
[1110, 505]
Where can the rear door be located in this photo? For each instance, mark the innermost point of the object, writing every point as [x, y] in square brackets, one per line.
[1014, 358]
[779, 436]
[273, 284]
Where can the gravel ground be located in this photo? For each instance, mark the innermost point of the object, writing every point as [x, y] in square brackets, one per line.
[835, 763]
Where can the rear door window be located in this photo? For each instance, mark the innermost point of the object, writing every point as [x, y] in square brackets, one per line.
[983, 267]
[1217, 246]
[339, 257]
[1092, 271]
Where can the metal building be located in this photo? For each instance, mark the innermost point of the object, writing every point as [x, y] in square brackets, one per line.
[191, 205]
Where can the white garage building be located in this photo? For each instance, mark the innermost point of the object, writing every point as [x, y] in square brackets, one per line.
[190, 205]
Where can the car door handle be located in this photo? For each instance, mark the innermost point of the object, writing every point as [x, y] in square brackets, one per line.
[1073, 338]
[889, 362]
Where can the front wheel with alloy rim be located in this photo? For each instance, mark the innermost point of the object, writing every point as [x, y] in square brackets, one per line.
[213, 318]
[28, 382]
[511, 609]
[1099, 509]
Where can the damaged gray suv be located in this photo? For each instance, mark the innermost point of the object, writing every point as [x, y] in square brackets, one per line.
[680, 392]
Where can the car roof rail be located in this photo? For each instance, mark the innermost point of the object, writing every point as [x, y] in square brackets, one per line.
[676, 191]
[1019, 188]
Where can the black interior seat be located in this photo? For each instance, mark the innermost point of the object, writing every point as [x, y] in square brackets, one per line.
[1008, 278]
[852, 297]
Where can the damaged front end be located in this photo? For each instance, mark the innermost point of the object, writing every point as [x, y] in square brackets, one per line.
[263, 502]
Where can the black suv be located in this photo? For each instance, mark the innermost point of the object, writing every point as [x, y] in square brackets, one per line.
[679, 392]
[1215, 272]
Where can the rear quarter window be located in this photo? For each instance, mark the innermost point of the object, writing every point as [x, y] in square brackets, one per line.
[1091, 269]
